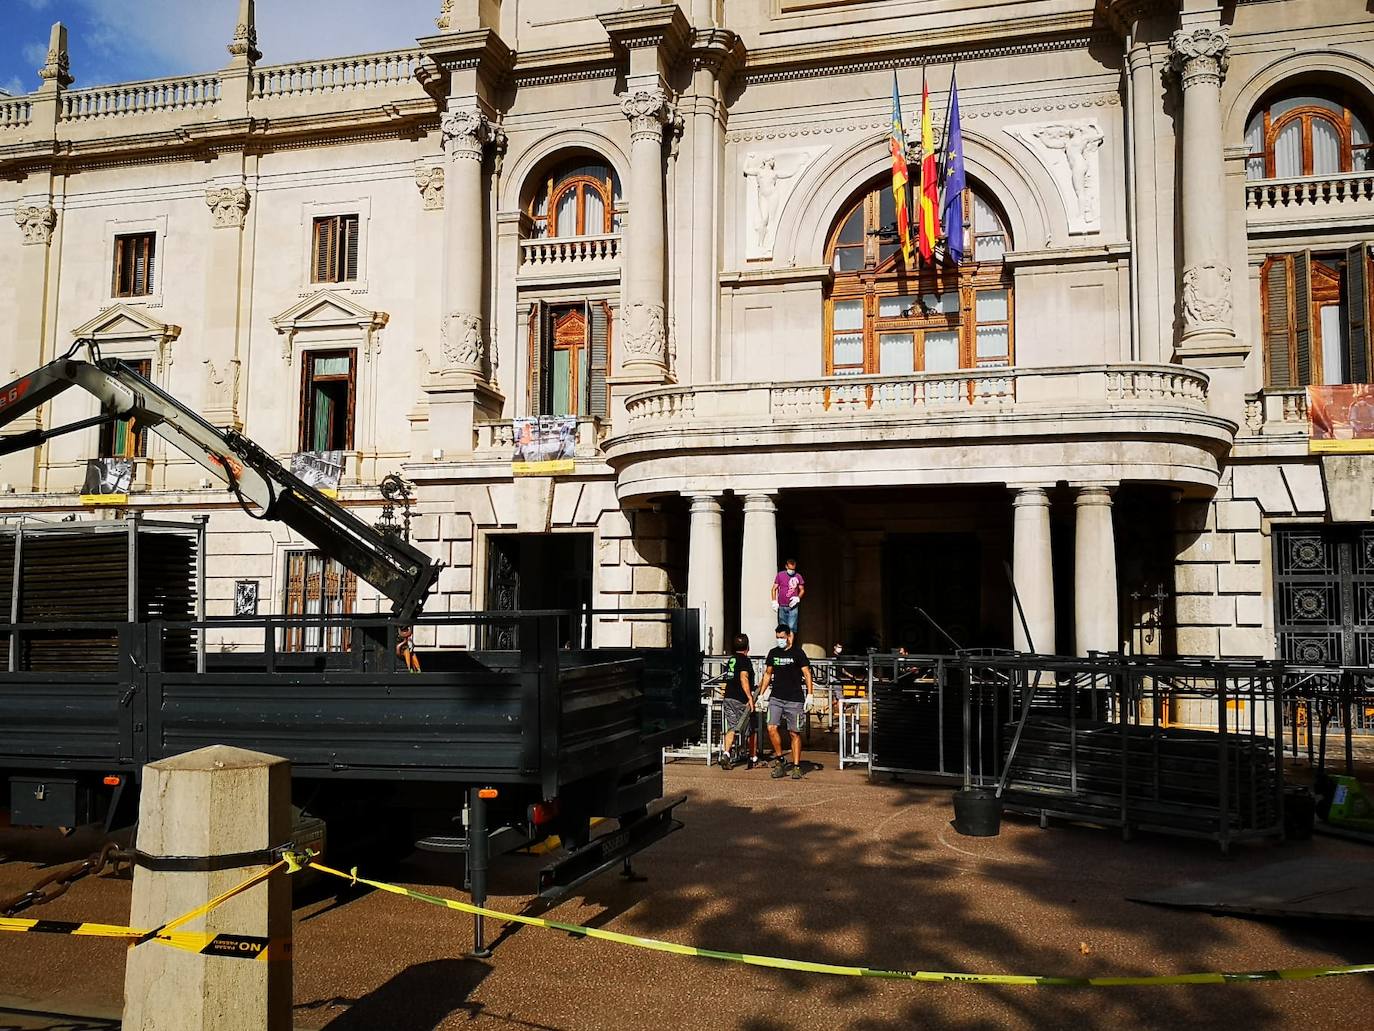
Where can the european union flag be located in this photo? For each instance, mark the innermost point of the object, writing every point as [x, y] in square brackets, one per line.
[955, 181]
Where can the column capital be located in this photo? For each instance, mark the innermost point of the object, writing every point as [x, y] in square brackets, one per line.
[760, 502]
[36, 221]
[1034, 494]
[648, 110]
[704, 502]
[228, 205]
[1200, 55]
[1093, 494]
[465, 133]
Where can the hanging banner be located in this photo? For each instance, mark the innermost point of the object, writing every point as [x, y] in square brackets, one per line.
[544, 445]
[320, 469]
[108, 481]
[1341, 419]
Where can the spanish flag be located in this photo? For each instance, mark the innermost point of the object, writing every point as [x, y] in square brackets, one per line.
[928, 230]
[899, 173]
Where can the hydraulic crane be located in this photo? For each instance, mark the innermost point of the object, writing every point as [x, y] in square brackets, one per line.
[402, 572]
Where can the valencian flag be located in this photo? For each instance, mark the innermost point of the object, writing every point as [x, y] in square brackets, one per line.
[899, 173]
[953, 211]
[928, 228]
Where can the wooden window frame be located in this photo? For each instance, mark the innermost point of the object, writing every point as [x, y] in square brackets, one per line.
[1326, 278]
[308, 379]
[1272, 128]
[126, 246]
[552, 191]
[143, 366]
[335, 247]
[888, 277]
[543, 343]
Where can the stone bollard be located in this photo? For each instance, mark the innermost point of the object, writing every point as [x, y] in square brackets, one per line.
[216, 801]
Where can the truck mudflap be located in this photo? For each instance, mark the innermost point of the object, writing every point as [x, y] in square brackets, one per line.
[559, 879]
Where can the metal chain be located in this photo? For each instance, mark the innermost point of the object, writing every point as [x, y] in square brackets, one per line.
[56, 884]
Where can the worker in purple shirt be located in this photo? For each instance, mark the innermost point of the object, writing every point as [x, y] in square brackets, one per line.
[789, 587]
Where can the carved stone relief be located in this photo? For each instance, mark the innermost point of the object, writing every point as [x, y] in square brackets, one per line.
[1070, 150]
[430, 181]
[36, 222]
[228, 205]
[461, 340]
[646, 338]
[465, 133]
[221, 390]
[648, 110]
[1200, 55]
[1207, 295]
[770, 178]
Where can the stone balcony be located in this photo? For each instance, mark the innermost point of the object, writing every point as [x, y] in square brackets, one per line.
[1312, 202]
[1101, 423]
[1275, 423]
[576, 259]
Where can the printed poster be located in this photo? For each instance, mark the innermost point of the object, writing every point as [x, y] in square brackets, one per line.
[1341, 419]
[544, 445]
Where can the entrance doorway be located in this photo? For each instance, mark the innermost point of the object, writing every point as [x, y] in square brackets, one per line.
[541, 571]
[940, 573]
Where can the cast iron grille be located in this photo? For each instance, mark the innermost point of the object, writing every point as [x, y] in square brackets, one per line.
[1324, 595]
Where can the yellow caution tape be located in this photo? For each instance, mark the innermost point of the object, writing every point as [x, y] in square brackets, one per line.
[778, 963]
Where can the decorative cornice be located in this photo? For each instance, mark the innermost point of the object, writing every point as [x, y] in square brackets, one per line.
[720, 50]
[1125, 15]
[480, 49]
[664, 26]
[566, 64]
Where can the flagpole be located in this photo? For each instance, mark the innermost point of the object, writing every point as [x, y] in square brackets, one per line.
[944, 135]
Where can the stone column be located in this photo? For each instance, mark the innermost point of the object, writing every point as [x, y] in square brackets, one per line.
[222, 317]
[758, 567]
[1033, 571]
[1145, 223]
[644, 346]
[705, 582]
[1096, 622]
[1198, 57]
[462, 337]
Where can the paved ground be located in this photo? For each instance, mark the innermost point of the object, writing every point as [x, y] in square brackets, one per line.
[830, 868]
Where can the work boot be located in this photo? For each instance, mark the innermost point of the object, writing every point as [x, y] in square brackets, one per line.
[797, 772]
[725, 763]
[779, 770]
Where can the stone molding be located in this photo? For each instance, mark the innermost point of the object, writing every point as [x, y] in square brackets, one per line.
[663, 26]
[1207, 295]
[460, 341]
[126, 329]
[1200, 55]
[329, 310]
[228, 206]
[465, 133]
[648, 110]
[36, 222]
[429, 180]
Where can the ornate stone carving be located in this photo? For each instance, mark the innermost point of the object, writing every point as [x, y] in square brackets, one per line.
[245, 41]
[1207, 294]
[57, 65]
[1200, 55]
[648, 110]
[430, 181]
[1070, 151]
[221, 389]
[228, 205]
[36, 222]
[461, 340]
[646, 337]
[771, 178]
[445, 19]
[465, 133]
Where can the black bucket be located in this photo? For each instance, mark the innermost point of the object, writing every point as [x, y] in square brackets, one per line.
[977, 813]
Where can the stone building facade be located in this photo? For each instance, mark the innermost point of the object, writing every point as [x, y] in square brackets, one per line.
[668, 221]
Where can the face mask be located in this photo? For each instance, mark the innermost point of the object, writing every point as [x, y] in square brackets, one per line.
[782, 642]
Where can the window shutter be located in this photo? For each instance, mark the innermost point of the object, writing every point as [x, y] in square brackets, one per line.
[324, 250]
[116, 287]
[1302, 316]
[599, 358]
[1357, 312]
[1278, 343]
[349, 244]
[536, 357]
[150, 247]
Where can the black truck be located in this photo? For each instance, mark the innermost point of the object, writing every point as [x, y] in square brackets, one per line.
[488, 749]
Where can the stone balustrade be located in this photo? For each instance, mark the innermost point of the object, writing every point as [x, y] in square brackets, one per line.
[496, 440]
[15, 112]
[1310, 191]
[136, 98]
[336, 74]
[569, 255]
[933, 393]
[1276, 411]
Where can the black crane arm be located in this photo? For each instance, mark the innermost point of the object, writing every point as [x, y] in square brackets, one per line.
[402, 572]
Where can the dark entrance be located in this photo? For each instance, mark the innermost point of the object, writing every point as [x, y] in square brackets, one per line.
[1324, 594]
[540, 571]
[940, 573]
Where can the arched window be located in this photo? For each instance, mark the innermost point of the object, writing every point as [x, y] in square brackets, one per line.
[1308, 132]
[883, 318]
[577, 198]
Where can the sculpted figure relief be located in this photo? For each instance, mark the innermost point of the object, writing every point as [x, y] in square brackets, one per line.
[764, 172]
[645, 336]
[771, 178]
[222, 385]
[1070, 151]
[461, 337]
[1207, 294]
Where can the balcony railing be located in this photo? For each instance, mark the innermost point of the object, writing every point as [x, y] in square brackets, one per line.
[1310, 192]
[1276, 411]
[15, 112]
[134, 98]
[932, 393]
[569, 253]
[337, 74]
[497, 439]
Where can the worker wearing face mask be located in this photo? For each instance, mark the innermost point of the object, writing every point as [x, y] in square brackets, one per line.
[788, 671]
[789, 587]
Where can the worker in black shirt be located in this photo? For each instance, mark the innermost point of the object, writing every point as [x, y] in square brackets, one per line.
[739, 697]
[788, 671]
